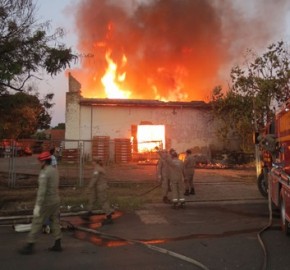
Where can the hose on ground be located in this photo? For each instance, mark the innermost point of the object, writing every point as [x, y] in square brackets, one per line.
[158, 249]
[148, 191]
[259, 235]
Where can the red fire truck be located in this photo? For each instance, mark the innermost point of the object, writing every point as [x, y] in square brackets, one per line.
[274, 179]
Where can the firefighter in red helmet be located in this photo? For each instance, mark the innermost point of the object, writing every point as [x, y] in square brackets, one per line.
[46, 205]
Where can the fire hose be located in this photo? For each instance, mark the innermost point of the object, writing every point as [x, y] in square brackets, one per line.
[70, 226]
[158, 249]
[148, 191]
[259, 235]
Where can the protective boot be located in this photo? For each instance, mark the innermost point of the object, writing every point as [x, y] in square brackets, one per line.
[108, 220]
[28, 249]
[57, 246]
[186, 193]
[192, 191]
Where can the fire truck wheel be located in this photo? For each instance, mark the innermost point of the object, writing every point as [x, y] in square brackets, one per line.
[284, 222]
[262, 185]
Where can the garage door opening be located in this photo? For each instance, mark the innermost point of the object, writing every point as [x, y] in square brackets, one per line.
[150, 136]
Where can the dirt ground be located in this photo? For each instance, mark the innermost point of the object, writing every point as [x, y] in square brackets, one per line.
[131, 186]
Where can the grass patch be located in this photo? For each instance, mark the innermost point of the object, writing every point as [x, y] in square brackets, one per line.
[123, 196]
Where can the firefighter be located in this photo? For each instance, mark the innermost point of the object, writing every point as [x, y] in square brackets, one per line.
[189, 166]
[46, 206]
[163, 177]
[175, 169]
[46, 226]
[98, 191]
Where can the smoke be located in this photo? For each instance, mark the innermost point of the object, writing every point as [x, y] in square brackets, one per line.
[175, 49]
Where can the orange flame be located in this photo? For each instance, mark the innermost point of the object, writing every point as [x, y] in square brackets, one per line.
[112, 80]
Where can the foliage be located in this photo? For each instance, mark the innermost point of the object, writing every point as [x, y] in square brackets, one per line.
[59, 126]
[234, 113]
[39, 135]
[25, 46]
[257, 88]
[22, 114]
[265, 80]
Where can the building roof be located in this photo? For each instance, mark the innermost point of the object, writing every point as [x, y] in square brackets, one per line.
[142, 103]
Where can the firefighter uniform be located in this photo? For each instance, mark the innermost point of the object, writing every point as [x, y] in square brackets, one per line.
[163, 177]
[48, 200]
[175, 169]
[189, 169]
[46, 206]
[98, 191]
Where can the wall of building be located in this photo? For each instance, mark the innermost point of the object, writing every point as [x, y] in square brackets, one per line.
[185, 126]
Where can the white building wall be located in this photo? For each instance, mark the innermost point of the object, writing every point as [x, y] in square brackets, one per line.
[184, 127]
[72, 122]
[85, 123]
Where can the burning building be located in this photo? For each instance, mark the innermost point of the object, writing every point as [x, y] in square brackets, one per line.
[136, 125]
[142, 63]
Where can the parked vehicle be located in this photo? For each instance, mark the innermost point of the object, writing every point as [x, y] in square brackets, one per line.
[10, 147]
[274, 179]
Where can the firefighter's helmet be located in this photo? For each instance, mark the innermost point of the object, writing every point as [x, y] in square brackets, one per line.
[44, 156]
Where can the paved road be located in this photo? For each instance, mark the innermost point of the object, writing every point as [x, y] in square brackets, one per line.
[217, 230]
[219, 236]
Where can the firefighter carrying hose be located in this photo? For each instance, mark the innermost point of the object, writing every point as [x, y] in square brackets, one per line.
[46, 206]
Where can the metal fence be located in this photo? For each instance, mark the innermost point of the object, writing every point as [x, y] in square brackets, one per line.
[19, 165]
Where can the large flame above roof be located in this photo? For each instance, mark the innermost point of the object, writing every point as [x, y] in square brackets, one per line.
[167, 49]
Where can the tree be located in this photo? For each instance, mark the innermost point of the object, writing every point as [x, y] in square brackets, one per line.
[59, 126]
[25, 46]
[265, 80]
[257, 89]
[233, 111]
[22, 114]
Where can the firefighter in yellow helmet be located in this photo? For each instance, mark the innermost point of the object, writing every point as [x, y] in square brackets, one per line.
[98, 191]
[46, 205]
